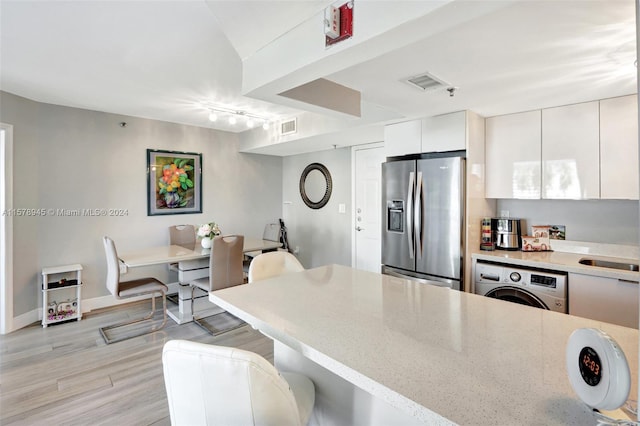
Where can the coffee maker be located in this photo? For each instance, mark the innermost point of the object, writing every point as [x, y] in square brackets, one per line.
[506, 233]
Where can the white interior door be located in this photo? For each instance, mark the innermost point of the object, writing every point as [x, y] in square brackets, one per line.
[367, 210]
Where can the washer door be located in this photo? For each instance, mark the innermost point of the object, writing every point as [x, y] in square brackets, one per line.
[516, 295]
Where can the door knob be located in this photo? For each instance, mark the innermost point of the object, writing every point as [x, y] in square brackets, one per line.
[359, 229]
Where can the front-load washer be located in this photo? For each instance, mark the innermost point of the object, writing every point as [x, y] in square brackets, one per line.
[532, 287]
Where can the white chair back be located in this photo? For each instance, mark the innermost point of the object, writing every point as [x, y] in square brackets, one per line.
[271, 264]
[271, 232]
[215, 385]
[113, 267]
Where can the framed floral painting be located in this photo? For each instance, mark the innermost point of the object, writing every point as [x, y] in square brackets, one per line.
[174, 182]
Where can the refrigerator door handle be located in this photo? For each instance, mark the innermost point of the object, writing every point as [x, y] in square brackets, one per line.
[409, 214]
[417, 216]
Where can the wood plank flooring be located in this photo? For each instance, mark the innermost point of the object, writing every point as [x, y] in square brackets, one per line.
[66, 375]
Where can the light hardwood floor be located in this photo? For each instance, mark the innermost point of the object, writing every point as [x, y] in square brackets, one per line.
[66, 375]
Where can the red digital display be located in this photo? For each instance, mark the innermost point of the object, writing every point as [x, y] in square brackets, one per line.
[590, 366]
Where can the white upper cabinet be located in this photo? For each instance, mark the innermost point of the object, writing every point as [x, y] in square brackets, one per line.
[513, 144]
[446, 132]
[619, 148]
[582, 151]
[570, 152]
[403, 138]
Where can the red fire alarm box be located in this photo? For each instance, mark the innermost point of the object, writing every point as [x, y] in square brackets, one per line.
[332, 22]
[340, 27]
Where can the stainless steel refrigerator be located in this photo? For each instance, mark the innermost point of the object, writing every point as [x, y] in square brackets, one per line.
[423, 211]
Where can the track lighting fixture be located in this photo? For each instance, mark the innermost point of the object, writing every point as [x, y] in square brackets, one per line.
[236, 116]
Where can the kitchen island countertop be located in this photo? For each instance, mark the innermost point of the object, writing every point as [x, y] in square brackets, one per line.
[439, 355]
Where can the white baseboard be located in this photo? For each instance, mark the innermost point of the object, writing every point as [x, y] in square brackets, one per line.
[87, 305]
[26, 319]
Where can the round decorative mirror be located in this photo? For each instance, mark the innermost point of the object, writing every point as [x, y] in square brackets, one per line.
[315, 185]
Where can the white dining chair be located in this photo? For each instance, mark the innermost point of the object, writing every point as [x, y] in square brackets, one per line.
[271, 232]
[217, 385]
[271, 264]
[148, 286]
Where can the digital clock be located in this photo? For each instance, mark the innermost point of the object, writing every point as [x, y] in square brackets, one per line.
[598, 370]
[590, 366]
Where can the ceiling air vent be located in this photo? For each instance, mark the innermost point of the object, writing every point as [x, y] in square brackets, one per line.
[288, 127]
[427, 82]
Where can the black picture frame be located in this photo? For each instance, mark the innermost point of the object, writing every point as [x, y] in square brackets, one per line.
[174, 182]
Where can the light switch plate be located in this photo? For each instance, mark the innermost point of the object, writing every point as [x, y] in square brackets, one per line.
[342, 208]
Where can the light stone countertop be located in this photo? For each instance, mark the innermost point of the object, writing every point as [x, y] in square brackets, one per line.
[437, 354]
[566, 257]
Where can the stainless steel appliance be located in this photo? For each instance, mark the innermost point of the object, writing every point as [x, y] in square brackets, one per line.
[506, 233]
[532, 287]
[423, 211]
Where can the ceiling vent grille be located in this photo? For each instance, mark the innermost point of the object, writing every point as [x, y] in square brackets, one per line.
[288, 127]
[427, 82]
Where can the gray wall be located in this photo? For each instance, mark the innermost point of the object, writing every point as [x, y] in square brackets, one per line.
[75, 159]
[79, 159]
[598, 221]
[323, 236]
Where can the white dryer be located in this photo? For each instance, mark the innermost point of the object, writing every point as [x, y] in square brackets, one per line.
[532, 287]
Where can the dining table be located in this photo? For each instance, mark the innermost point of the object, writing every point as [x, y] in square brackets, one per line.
[190, 263]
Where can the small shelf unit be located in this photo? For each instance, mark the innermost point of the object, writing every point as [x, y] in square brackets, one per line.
[55, 279]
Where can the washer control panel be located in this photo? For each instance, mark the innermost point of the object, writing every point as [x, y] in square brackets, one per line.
[538, 280]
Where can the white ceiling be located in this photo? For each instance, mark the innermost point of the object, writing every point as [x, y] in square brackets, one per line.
[163, 59]
[524, 56]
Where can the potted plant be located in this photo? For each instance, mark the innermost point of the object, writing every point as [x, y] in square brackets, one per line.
[206, 232]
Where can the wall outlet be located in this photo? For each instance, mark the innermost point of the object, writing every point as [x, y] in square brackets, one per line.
[504, 213]
[296, 250]
[342, 208]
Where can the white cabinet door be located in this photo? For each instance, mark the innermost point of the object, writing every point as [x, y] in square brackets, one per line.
[446, 132]
[403, 138]
[513, 156]
[604, 299]
[570, 152]
[619, 148]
